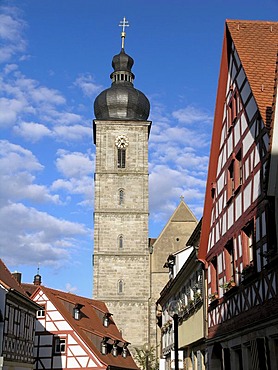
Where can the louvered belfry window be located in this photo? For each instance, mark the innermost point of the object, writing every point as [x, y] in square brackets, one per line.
[121, 157]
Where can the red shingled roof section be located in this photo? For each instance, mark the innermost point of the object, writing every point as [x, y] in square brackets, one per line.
[9, 281]
[256, 43]
[90, 322]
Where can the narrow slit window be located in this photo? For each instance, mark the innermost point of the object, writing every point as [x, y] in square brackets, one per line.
[120, 286]
[121, 242]
[121, 197]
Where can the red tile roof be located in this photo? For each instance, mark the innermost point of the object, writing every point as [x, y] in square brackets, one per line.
[89, 324]
[257, 44]
[7, 279]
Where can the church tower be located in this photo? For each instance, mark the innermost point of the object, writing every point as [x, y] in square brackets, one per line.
[121, 254]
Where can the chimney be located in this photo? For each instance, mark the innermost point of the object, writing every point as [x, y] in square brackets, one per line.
[17, 276]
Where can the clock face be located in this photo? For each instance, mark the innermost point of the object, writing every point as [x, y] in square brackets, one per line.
[121, 141]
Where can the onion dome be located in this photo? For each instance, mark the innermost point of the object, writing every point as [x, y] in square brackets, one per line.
[122, 101]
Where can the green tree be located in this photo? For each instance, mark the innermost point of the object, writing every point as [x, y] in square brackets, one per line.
[146, 358]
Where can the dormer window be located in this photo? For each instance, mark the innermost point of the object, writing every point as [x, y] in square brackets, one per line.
[77, 311]
[124, 352]
[115, 349]
[106, 319]
[104, 349]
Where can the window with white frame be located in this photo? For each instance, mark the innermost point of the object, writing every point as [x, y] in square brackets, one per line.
[41, 311]
[60, 345]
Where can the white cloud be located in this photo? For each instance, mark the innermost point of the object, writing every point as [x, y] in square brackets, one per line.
[74, 132]
[9, 110]
[191, 114]
[11, 33]
[17, 181]
[87, 84]
[32, 131]
[74, 164]
[28, 236]
[43, 94]
[77, 168]
[178, 160]
[69, 288]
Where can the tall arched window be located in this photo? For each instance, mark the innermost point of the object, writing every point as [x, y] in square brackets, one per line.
[121, 157]
[121, 144]
[120, 242]
[121, 197]
[120, 286]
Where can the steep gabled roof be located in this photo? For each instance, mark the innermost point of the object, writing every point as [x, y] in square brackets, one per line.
[181, 214]
[256, 44]
[90, 323]
[8, 281]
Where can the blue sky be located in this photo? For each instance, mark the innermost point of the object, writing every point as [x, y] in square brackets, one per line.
[55, 59]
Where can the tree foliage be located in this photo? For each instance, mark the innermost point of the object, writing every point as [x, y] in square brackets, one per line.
[146, 358]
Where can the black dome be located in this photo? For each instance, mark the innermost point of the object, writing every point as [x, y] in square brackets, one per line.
[122, 101]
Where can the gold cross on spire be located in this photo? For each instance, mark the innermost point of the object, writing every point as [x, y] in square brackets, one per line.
[123, 24]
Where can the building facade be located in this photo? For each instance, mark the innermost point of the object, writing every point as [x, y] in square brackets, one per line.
[121, 250]
[128, 266]
[17, 324]
[172, 238]
[238, 240]
[186, 289]
[74, 332]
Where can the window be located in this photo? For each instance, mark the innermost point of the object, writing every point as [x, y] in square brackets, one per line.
[121, 157]
[121, 242]
[214, 276]
[233, 108]
[104, 349]
[237, 170]
[121, 143]
[248, 244]
[230, 181]
[120, 286]
[230, 265]
[41, 312]
[60, 345]
[121, 197]
[234, 176]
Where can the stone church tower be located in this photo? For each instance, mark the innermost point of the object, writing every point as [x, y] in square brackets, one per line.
[121, 253]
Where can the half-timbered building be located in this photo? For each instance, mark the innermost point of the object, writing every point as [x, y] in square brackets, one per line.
[184, 291]
[17, 324]
[74, 332]
[238, 239]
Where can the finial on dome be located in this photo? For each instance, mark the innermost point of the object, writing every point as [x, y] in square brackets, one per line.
[123, 24]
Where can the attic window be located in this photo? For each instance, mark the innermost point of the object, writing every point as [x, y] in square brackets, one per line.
[41, 312]
[115, 349]
[77, 311]
[104, 349]
[124, 353]
[106, 319]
